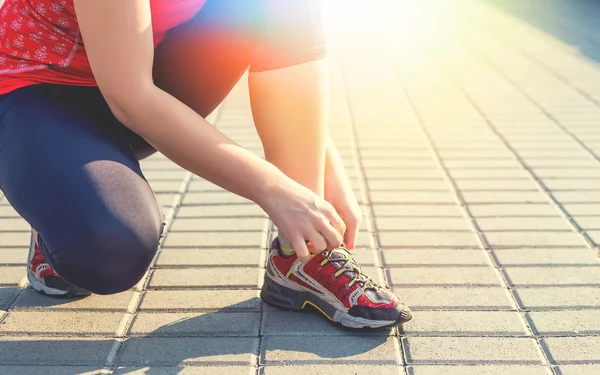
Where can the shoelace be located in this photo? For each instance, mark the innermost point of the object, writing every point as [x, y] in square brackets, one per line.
[347, 265]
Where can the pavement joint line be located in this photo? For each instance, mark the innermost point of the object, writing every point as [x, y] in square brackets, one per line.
[136, 298]
[484, 245]
[534, 177]
[371, 224]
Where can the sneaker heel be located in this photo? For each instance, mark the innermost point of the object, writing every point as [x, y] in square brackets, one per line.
[282, 297]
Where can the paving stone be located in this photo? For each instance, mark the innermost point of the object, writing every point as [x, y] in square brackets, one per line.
[14, 239]
[408, 185]
[471, 350]
[7, 211]
[531, 209]
[167, 199]
[52, 370]
[535, 276]
[166, 186]
[7, 295]
[196, 324]
[206, 257]
[16, 224]
[178, 300]
[205, 277]
[588, 209]
[465, 323]
[165, 175]
[547, 173]
[471, 173]
[523, 223]
[579, 369]
[213, 198]
[558, 298]
[475, 276]
[481, 163]
[533, 238]
[406, 257]
[412, 210]
[178, 351]
[232, 210]
[569, 322]
[479, 370]
[30, 299]
[513, 257]
[364, 256]
[421, 223]
[49, 351]
[218, 224]
[331, 369]
[577, 196]
[428, 239]
[13, 256]
[61, 323]
[595, 235]
[214, 239]
[472, 197]
[492, 184]
[588, 222]
[399, 196]
[188, 370]
[412, 173]
[198, 185]
[453, 298]
[573, 350]
[327, 350]
[12, 275]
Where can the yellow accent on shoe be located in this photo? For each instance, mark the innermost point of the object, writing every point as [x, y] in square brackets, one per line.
[324, 262]
[316, 307]
[288, 273]
[339, 272]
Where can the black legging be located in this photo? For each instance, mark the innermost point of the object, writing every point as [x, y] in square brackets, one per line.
[71, 170]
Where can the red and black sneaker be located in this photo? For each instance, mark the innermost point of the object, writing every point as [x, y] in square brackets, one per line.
[44, 279]
[334, 284]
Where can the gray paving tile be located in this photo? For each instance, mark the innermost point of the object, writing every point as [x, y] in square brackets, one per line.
[178, 300]
[452, 298]
[332, 369]
[218, 224]
[7, 211]
[421, 223]
[577, 196]
[408, 185]
[465, 323]
[52, 370]
[472, 197]
[399, 196]
[475, 276]
[61, 323]
[174, 351]
[207, 257]
[588, 209]
[187, 370]
[279, 350]
[492, 184]
[595, 235]
[7, 295]
[588, 222]
[579, 369]
[407, 257]
[13, 256]
[16, 224]
[213, 198]
[214, 239]
[428, 239]
[483, 210]
[196, 324]
[471, 350]
[512, 257]
[523, 223]
[559, 298]
[535, 276]
[573, 350]
[232, 210]
[158, 175]
[478, 370]
[205, 277]
[395, 210]
[533, 238]
[470, 173]
[166, 186]
[42, 351]
[10, 276]
[568, 322]
[31, 300]
[14, 239]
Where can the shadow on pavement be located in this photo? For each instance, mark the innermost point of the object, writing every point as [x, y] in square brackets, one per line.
[574, 22]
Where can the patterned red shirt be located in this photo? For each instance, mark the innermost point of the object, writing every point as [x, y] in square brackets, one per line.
[40, 40]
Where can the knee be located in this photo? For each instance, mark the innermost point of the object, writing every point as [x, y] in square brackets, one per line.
[108, 258]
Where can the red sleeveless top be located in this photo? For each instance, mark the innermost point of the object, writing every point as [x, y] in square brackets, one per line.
[40, 40]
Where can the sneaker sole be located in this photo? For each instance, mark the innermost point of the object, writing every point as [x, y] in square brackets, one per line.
[285, 298]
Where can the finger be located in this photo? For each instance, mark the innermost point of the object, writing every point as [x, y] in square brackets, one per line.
[299, 246]
[317, 241]
[336, 221]
[331, 236]
[351, 234]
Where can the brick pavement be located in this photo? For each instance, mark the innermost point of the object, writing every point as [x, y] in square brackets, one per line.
[474, 149]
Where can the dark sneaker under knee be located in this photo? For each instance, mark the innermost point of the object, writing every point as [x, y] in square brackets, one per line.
[334, 284]
[44, 279]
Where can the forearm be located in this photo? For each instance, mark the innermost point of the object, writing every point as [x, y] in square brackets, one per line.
[194, 144]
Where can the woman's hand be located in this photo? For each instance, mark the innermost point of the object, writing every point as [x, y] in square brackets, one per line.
[301, 215]
[338, 192]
